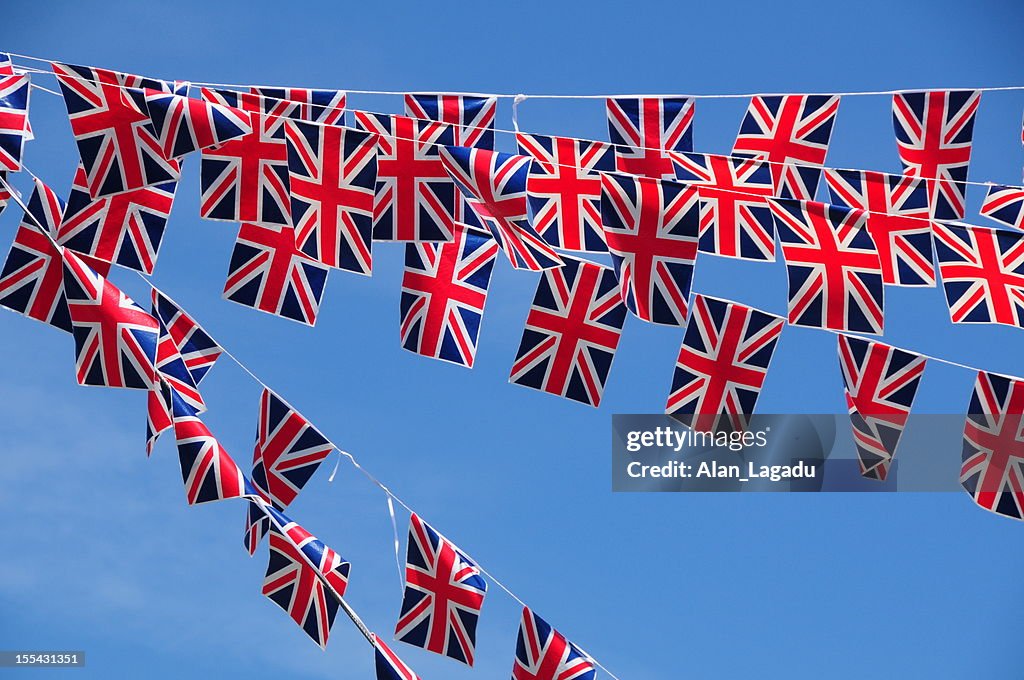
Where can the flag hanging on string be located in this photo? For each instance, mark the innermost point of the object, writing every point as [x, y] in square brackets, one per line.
[564, 189]
[415, 198]
[1005, 205]
[735, 220]
[649, 132]
[495, 186]
[207, 470]
[246, 178]
[982, 273]
[898, 219]
[835, 275]
[792, 133]
[993, 454]
[14, 101]
[197, 348]
[444, 291]
[32, 279]
[571, 333]
[934, 131]
[269, 273]
[444, 593]
[158, 413]
[651, 227]
[183, 124]
[387, 665]
[5, 193]
[326, 107]
[118, 146]
[332, 172]
[880, 384]
[125, 229]
[304, 577]
[722, 364]
[288, 451]
[542, 653]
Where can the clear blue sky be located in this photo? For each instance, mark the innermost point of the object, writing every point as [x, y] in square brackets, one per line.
[101, 553]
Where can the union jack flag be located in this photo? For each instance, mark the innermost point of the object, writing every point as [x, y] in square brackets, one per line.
[444, 593]
[124, 229]
[722, 364]
[495, 186]
[246, 178]
[207, 470]
[993, 455]
[791, 133]
[183, 124]
[158, 413]
[572, 332]
[542, 653]
[332, 171]
[735, 220]
[835, 275]
[444, 290]
[197, 348]
[14, 97]
[651, 228]
[982, 273]
[649, 133]
[897, 219]
[304, 577]
[115, 340]
[288, 451]
[415, 197]
[32, 280]
[881, 383]
[116, 140]
[934, 132]
[1006, 205]
[5, 192]
[564, 189]
[387, 664]
[316, 106]
[269, 273]
[6, 65]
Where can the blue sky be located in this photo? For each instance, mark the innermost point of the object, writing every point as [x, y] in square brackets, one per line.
[101, 553]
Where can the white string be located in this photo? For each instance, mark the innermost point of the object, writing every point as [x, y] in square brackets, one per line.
[517, 131]
[398, 556]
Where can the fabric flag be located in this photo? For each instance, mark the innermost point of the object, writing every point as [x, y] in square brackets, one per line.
[332, 172]
[288, 451]
[158, 413]
[115, 340]
[993, 455]
[125, 229]
[304, 577]
[246, 178]
[32, 280]
[207, 470]
[722, 364]
[5, 193]
[934, 132]
[7, 69]
[444, 593]
[571, 333]
[897, 219]
[415, 198]
[542, 653]
[269, 273]
[564, 189]
[116, 141]
[444, 291]
[326, 107]
[387, 664]
[982, 273]
[735, 220]
[649, 132]
[195, 345]
[183, 124]
[835, 275]
[495, 186]
[880, 384]
[14, 99]
[651, 227]
[792, 134]
[1005, 205]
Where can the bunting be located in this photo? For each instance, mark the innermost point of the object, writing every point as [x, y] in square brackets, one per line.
[14, 99]
[1005, 205]
[993, 454]
[184, 125]
[542, 653]
[982, 273]
[649, 132]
